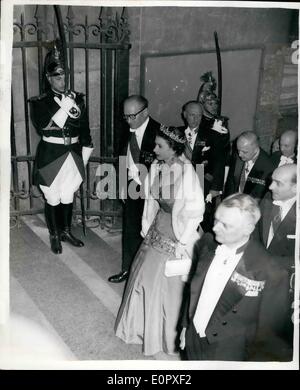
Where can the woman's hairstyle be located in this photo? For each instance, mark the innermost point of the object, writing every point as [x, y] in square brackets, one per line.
[174, 136]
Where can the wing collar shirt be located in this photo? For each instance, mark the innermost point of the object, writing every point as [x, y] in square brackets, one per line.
[133, 171]
[285, 207]
[286, 160]
[191, 135]
[220, 270]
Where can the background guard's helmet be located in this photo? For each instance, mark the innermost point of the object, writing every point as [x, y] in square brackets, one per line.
[208, 86]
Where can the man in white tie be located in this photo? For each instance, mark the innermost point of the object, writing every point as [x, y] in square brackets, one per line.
[287, 149]
[136, 149]
[277, 226]
[206, 145]
[280, 205]
[238, 302]
[208, 148]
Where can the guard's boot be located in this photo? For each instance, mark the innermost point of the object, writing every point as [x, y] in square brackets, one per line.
[66, 217]
[52, 224]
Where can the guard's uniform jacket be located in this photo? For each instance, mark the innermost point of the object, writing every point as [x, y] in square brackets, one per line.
[211, 149]
[51, 156]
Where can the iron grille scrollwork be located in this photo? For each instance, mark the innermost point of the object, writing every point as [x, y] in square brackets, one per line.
[108, 36]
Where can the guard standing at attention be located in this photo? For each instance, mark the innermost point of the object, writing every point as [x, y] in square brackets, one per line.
[61, 119]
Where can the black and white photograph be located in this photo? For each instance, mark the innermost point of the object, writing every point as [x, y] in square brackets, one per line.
[148, 187]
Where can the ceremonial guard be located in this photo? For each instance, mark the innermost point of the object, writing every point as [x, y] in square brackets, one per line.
[208, 143]
[215, 137]
[61, 119]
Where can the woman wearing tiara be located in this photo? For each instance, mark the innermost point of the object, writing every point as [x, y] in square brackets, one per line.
[174, 207]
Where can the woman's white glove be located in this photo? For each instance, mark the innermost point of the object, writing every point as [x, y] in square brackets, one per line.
[182, 339]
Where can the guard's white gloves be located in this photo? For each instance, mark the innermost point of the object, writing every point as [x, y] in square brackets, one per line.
[66, 103]
[218, 126]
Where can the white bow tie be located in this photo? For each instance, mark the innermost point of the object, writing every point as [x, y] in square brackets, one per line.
[193, 131]
[224, 253]
[286, 160]
[278, 203]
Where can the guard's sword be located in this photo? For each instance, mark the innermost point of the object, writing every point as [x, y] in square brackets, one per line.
[219, 64]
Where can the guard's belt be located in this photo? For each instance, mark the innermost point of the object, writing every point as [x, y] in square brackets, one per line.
[59, 140]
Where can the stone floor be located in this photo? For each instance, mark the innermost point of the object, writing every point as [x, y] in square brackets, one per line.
[64, 302]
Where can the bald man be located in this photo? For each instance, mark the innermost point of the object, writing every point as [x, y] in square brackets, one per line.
[287, 149]
[137, 144]
[279, 238]
[250, 169]
[277, 227]
[207, 146]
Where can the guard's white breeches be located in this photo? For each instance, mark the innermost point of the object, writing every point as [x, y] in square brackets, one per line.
[64, 185]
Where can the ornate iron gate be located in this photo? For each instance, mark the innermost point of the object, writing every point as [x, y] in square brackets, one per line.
[99, 67]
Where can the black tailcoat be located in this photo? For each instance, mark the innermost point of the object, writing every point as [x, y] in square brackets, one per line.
[281, 247]
[275, 157]
[241, 327]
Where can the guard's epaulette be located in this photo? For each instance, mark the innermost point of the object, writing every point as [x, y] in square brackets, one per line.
[37, 98]
[80, 94]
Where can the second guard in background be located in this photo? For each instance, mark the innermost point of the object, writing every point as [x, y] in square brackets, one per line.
[277, 227]
[208, 143]
[136, 148]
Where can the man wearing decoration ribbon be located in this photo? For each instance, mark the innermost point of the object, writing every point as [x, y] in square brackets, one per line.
[207, 145]
[136, 147]
[238, 303]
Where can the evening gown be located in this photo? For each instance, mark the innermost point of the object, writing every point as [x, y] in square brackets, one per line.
[151, 303]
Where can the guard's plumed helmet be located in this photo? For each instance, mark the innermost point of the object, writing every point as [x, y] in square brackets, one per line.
[54, 62]
[208, 86]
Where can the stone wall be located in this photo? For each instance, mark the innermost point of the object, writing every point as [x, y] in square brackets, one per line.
[178, 29]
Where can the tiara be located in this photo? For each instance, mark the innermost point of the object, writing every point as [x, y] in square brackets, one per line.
[165, 129]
